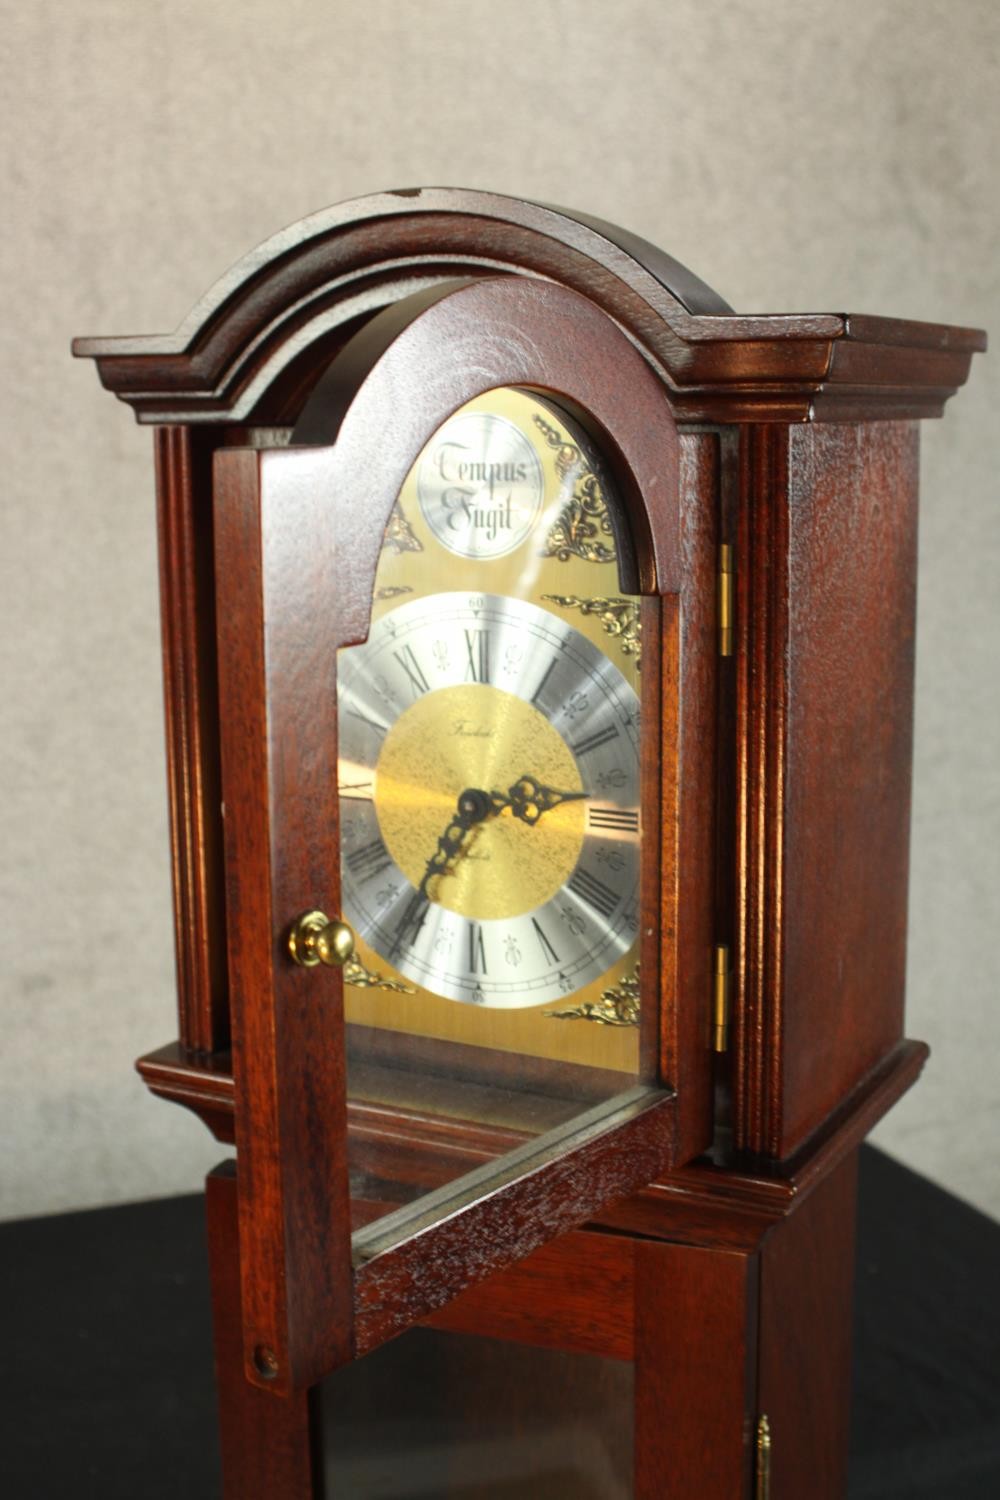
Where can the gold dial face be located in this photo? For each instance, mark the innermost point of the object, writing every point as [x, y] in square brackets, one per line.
[489, 742]
[477, 735]
[496, 861]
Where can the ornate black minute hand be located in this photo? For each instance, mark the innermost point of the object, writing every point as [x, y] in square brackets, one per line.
[529, 798]
[474, 807]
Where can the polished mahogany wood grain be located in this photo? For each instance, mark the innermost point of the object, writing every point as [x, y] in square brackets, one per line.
[191, 709]
[825, 612]
[270, 1445]
[576, 1293]
[852, 575]
[422, 1267]
[695, 1374]
[690, 831]
[251, 347]
[277, 647]
[697, 1204]
[660, 797]
[761, 707]
[804, 1381]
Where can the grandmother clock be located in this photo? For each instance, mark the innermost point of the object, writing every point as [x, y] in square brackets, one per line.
[538, 644]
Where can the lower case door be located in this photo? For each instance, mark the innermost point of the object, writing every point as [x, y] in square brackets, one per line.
[523, 1385]
[446, 1416]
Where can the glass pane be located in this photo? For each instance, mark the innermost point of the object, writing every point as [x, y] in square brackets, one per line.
[445, 1416]
[490, 802]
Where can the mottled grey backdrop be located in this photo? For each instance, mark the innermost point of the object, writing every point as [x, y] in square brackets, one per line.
[797, 155]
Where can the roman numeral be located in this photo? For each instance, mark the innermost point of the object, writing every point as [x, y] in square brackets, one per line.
[410, 665]
[550, 953]
[359, 789]
[380, 729]
[539, 690]
[413, 918]
[615, 819]
[368, 861]
[477, 650]
[595, 741]
[596, 894]
[477, 950]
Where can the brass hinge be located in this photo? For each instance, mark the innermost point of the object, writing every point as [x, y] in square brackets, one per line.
[725, 599]
[762, 1486]
[720, 999]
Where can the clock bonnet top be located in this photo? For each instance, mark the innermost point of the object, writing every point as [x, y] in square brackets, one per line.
[253, 346]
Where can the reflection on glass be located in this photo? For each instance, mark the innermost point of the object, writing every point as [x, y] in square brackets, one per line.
[444, 1416]
[490, 799]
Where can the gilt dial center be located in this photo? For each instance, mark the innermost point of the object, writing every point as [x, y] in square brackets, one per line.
[455, 743]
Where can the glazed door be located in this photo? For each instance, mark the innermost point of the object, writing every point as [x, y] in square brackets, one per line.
[440, 744]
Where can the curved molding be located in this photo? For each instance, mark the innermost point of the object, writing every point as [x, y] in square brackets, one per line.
[252, 348]
[427, 357]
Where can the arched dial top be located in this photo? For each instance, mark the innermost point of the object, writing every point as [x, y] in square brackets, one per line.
[443, 349]
[489, 738]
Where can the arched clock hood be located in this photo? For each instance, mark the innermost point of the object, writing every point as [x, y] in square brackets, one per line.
[252, 349]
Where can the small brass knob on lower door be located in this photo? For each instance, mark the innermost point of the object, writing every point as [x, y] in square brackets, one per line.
[314, 939]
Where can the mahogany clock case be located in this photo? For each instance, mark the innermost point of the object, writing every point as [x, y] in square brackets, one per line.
[279, 776]
[768, 473]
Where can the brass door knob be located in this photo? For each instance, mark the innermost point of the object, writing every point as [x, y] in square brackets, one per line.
[314, 939]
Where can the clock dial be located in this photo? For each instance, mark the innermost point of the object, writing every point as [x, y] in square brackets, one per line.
[490, 800]
[502, 661]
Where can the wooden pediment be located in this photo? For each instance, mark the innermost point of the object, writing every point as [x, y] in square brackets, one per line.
[252, 349]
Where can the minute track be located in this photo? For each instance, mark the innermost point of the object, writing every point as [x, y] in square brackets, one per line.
[523, 709]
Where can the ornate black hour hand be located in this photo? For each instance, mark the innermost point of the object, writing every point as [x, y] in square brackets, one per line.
[529, 798]
[474, 807]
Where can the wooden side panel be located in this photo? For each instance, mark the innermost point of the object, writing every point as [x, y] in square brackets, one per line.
[277, 655]
[695, 1376]
[852, 564]
[575, 1294]
[806, 1286]
[761, 709]
[825, 626]
[270, 1446]
[689, 832]
[187, 611]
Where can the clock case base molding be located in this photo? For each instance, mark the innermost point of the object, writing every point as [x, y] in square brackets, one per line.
[749, 1315]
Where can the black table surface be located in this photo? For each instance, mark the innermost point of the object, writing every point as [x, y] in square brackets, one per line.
[106, 1388]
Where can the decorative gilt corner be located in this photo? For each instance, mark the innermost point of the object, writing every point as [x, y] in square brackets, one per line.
[361, 978]
[399, 535]
[584, 521]
[618, 617]
[617, 1006]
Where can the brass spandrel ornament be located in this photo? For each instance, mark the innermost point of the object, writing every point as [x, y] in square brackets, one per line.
[399, 534]
[583, 528]
[617, 1006]
[363, 978]
[618, 617]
